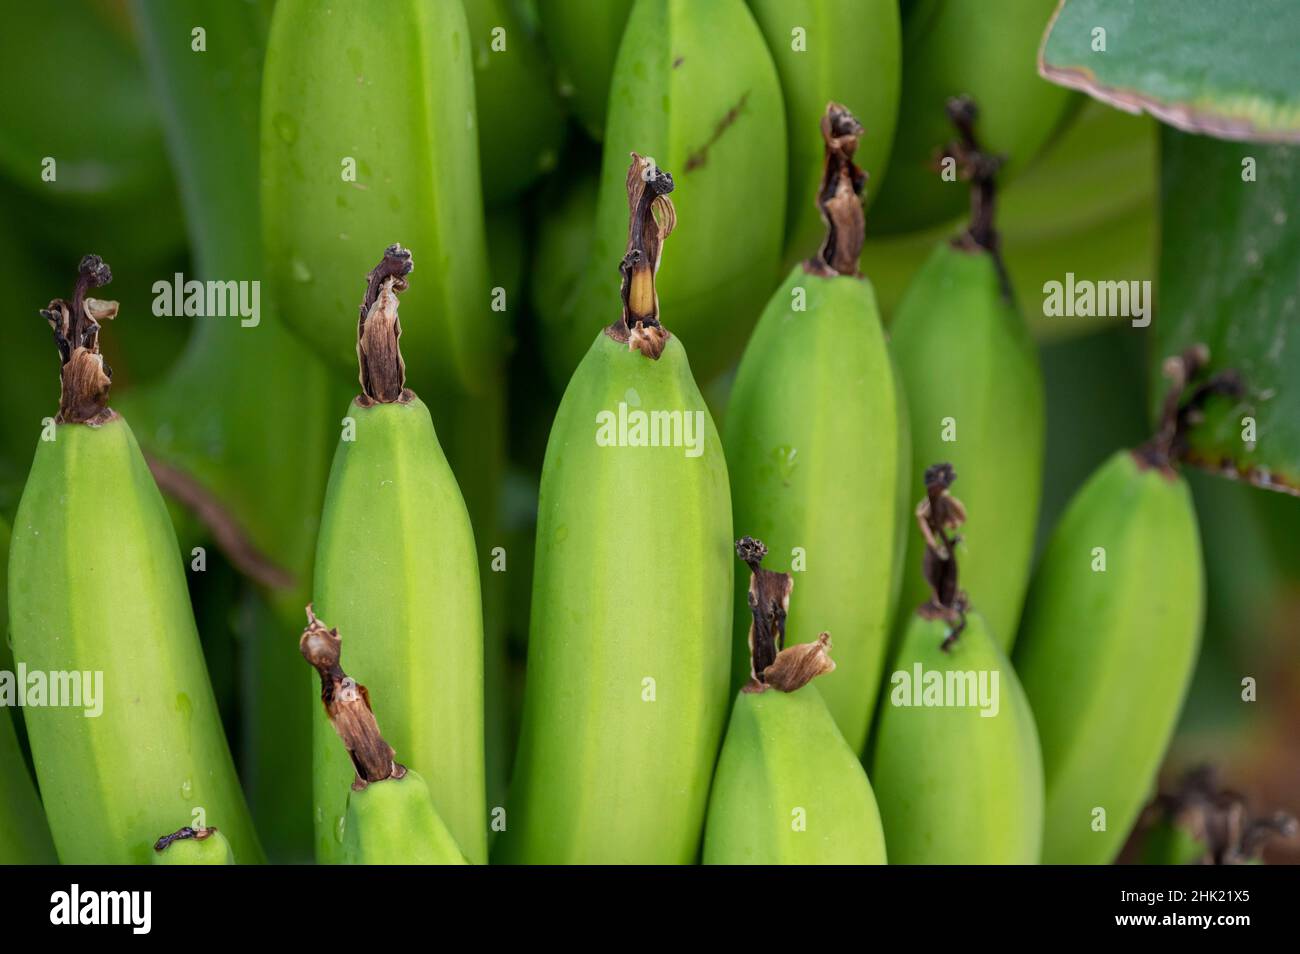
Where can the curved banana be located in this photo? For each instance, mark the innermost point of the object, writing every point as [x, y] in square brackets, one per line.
[788, 789]
[368, 117]
[694, 90]
[391, 817]
[521, 121]
[98, 598]
[627, 656]
[583, 38]
[1110, 637]
[956, 766]
[396, 564]
[817, 446]
[975, 395]
[193, 846]
[848, 51]
[990, 53]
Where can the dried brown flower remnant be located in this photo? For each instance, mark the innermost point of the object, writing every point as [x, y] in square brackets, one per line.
[1183, 409]
[651, 219]
[800, 664]
[771, 664]
[938, 515]
[84, 378]
[183, 834]
[379, 353]
[347, 703]
[1220, 819]
[840, 196]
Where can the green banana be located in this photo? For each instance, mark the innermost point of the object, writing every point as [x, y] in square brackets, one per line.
[788, 789]
[1110, 635]
[956, 766]
[694, 89]
[368, 121]
[986, 51]
[563, 243]
[396, 563]
[627, 654]
[521, 121]
[391, 818]
[975, 393]
[98, 588]
[843, 50]
[817, 446]
[583, 39]
[193, 846]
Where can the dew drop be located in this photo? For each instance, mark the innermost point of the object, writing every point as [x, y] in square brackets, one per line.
[301, 273]
[187, 788]
[632, 398]
[340, 827]
[286, 127]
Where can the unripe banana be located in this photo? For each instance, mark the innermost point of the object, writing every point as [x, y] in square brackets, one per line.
[1110, 636]
[988, 51]
[842, 50]
[956, 766]
[97, 588]
[975, 395]
[583, 38]
[817, 445]
[368, 122]
[695, 90]
[391, 818]
[396, 564]
[521, 121]
[627, 655]
[788, 789]
[193, 846]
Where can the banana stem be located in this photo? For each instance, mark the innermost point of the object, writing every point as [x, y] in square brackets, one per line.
[840, 197]
[651, 219]
[1182, 410]
[772, 665]
[183, 834]
[980, 168]
[347, 703]
[379, 354]
[84, 378]
[938, 514]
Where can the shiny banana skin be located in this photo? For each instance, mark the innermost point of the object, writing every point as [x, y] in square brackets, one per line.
[396, 567]
[193, 846]
[850, 52]
[521, 126]
[410, 127]
[989, 52]
[695, 89]
[583, 37]
[966, 359]
[954, 786]
[395, 822]
[1106, 656]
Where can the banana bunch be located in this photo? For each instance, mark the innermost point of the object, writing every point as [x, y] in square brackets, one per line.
[352, 153]
[521, 121]
[583, 37]
[788, 789]
[988, 51]
[694, 90]
[817, 447]
[129, 737]
[193, 846]
[391, 817]
[1111, 631]
[395, 562]
[956, 767]
[627, 654]
[843, 50]
[975, 394]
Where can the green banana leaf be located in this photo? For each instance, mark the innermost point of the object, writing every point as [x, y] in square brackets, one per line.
[1229, 274]
[1222, 69]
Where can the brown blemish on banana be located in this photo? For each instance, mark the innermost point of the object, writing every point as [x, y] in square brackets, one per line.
[379, 353]
[347, 703]
[700, 156]
[651, 219]
[771, 664]
[1184, 409]
[840, 197]
[84, 378]
[980, 169]
[939, 514]
[183, 834]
